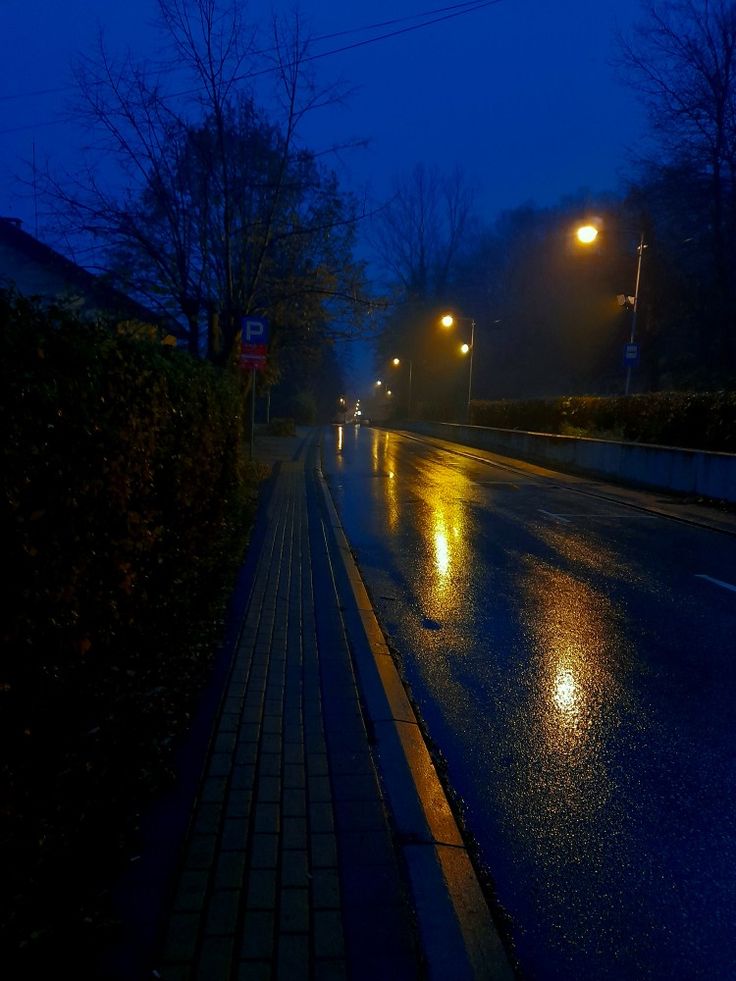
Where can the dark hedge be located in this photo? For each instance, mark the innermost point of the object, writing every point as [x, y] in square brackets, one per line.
[695, 420]
[127, 499]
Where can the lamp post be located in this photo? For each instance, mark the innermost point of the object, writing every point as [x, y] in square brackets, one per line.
[586, 235]
[396, 362]
[448, 321]
[634, 309]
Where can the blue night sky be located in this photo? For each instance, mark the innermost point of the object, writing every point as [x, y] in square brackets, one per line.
[520, 93]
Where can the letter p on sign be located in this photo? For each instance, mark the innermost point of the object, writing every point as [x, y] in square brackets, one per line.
[255, 330]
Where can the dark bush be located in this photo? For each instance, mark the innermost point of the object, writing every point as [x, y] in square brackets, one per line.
[127, 498]
[281, 427]
[695, 420]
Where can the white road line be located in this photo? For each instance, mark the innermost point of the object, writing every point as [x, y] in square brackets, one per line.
[716, 582]
[557, 517]
[591, 514]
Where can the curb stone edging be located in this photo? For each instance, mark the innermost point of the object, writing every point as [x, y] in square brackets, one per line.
[458, 934]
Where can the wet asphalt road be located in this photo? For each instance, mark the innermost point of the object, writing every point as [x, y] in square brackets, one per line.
[578, 673]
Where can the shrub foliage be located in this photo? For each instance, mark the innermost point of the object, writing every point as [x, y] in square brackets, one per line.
[698, 420]
[127, 498]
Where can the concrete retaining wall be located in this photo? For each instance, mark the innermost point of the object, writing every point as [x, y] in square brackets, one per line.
[664, 468]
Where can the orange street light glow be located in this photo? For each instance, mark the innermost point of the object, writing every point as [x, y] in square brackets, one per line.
[448, 320]
[587, 234]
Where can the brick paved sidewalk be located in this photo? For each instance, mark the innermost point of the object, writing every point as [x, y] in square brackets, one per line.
[289, 870]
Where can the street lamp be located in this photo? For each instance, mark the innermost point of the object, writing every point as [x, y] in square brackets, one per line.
[587, 234]
[449, 320]
[634, 309]
[396, 362]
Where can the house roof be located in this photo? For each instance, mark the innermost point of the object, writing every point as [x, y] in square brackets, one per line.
[35, 269]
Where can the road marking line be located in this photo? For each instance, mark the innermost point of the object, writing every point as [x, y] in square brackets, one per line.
[716, 582]
[607, 515]
[557, 517]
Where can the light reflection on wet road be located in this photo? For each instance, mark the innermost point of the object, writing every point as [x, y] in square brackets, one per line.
[579, 679]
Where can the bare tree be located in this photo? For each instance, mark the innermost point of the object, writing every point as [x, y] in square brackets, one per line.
[213, 193]
[420, 236]
[682, 59]
[420, 232]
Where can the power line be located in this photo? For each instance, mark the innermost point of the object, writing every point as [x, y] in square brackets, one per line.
[466, 8]
[448, 13]
[317, 40]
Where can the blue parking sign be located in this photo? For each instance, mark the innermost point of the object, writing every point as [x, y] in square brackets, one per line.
[255, 330]
[631, 354]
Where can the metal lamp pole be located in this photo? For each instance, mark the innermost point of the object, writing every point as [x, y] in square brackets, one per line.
[449, 320]
[396, 362]
[632, 336]
[470, 372]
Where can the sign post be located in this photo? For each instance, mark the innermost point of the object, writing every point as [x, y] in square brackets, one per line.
[631, 353]
[252, 409]
[253, 354]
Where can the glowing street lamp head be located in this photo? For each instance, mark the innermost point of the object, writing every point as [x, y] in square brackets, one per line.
[396, 361]
[464, 348]
[378, 382]
[448, 320]
[587, 234]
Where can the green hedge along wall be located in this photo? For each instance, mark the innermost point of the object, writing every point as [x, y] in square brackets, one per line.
[696, 420]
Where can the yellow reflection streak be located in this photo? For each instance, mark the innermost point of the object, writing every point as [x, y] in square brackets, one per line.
[442, 552]
[565, 691]
[573, 693]
[439, 500]
[340, 438]
[384, 461]
[443, 523]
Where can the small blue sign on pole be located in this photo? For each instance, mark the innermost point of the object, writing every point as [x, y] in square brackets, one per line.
[255, 330]
[253, 354]
[631, 354]
[254, 342]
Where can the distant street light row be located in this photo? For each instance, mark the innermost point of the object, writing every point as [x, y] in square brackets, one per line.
[586, 235]
[449, 320]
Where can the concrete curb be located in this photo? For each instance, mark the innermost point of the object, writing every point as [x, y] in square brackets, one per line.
[626, 495]
[668, 469]
[458, 935]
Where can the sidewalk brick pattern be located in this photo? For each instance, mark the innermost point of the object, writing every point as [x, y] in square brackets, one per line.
[289, 864]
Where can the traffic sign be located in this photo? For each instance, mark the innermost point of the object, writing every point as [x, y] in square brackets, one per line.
[631, 354]
[254, 330]
[253, 361]
[254, 342]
